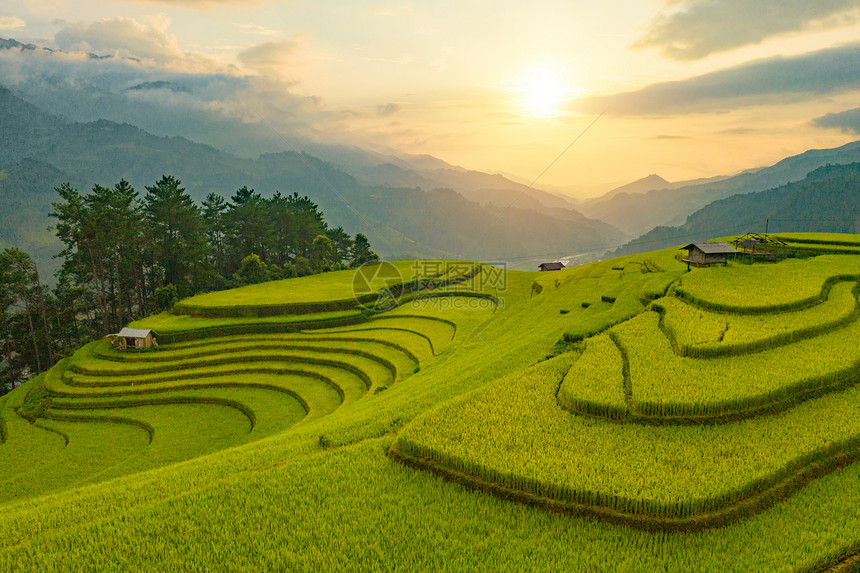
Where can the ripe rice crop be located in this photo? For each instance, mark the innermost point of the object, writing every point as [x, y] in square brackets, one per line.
[324, 292]
[660, 473]
[764, 288]
[171, 326]
[701, 333]
[316, 491]
[595, 383]
[665, 384]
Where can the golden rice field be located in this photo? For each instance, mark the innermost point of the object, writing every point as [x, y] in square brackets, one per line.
[626, 415]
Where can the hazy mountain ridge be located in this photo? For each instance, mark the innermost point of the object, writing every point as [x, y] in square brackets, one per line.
[826, 200]
[477, 186]
[638, 213]
[643, 185]
[648, 183]
[441, 223]
[250, 140]
[26, 192]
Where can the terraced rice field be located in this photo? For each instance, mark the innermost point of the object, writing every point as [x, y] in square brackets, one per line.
[624, 415]
[772, 346]
[240, 388]
[821, 243]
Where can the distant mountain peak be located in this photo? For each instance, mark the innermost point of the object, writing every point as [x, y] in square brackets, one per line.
[643, 185]
[655, 179]
[158, 85]
[12, 44]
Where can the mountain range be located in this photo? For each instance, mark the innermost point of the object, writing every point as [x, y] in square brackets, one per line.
[401, 221]
[637, 213]
[826, 200]
[408, 205]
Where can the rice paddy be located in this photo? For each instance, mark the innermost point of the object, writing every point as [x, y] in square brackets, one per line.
[640, 416]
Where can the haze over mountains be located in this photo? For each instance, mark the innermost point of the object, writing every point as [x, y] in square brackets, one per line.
[39, 150]
[826, 200]
[637, 213]
[408, 205]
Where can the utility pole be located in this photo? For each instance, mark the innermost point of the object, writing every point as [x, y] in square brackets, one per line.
[766, 225]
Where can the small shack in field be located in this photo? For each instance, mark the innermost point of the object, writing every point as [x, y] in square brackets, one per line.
[751, 245]
[551, 266]
[136, 338]
[760, 247]
[707, 254]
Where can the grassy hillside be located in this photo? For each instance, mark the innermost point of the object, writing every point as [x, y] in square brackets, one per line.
[623, 415]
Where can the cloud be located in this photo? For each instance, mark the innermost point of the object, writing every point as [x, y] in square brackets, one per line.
[12, 23]
[257, 29]
[148, 41]
[164, 91]
[121, 36]
[133, 72]
[277, 58]
[762, 82]
[697, 28]
[383, 110]
[848, 121]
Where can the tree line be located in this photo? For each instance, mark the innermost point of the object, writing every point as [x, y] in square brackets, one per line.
[125, 256]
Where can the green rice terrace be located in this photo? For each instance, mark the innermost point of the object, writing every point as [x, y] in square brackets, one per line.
[625, 415]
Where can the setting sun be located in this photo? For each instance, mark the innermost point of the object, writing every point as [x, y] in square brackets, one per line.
[541, 92]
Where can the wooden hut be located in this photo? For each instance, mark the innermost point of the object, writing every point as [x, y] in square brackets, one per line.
[136, 338]
[551, 266]
[707, 254]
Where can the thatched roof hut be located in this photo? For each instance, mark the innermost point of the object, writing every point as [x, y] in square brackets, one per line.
[137, 338]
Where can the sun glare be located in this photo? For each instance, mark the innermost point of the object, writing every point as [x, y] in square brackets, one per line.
[541, 93]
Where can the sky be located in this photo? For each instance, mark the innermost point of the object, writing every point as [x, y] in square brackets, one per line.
[610, 91]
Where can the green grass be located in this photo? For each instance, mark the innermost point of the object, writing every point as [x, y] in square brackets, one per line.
[436, 333]
[813, 249]
[833, 239]
[812, 244]
[372, 369]
[270, 496]
[334, 286]
[58, 465]
[266, 382]
[107, 450]
[287, 474]
[398, 360]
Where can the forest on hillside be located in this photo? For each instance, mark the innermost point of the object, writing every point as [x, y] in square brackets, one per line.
[125, 256]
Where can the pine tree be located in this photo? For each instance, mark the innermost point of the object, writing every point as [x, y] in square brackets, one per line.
[174, 233]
